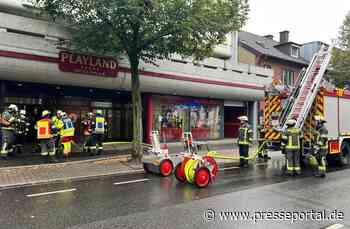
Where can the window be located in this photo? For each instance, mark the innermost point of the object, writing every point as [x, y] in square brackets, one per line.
[173, 115]
[294, 51]
[288, 77]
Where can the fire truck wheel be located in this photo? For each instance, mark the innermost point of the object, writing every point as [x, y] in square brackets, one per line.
[202, 177]
[180, 173]
[166, 167]
[344, 158]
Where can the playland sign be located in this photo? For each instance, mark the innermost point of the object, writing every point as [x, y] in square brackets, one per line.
[86, 64]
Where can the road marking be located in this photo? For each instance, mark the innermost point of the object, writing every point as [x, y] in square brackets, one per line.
[50, 193]
[229, 168]
[335, 226]
[131, 181]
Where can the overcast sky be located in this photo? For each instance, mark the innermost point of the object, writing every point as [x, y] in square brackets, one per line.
[307, 20]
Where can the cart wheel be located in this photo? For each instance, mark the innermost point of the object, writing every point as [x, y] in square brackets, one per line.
[166, 167]
[213, 164]
[202, 177]
[180, 173]
[145, 167]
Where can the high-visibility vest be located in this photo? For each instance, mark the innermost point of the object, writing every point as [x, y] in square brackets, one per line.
[291, 138]
[44, 129]
[68, 128]
[245, 135]
[100, 125]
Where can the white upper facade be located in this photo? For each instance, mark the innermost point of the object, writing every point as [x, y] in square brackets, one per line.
[218, 77]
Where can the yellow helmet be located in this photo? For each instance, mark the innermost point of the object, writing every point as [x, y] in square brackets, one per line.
[45, 113]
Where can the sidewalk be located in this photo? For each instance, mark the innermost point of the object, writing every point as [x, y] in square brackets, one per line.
[88, 168]
[48, 173]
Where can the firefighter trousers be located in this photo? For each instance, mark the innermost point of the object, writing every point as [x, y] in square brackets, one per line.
[293, 161]
[244, 154]
[322, 162]
[262, 154]
[98, 142]
[47, 147]
[8, 140]
[88, 142]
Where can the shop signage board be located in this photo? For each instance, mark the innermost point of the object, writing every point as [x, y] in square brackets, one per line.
[87, 64]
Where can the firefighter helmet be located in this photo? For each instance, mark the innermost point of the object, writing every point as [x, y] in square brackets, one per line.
[45, 113]
[13, 108]
[320, 119]
[22, 112]
[59, 113]
[99, 112]
[90, 114]
[291, 122]
[243, 118]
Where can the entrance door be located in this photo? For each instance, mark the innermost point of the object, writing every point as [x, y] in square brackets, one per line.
[231, 121]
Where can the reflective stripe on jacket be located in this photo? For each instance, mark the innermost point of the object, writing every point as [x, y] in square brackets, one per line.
[245, 136]
[291, 138]
[321, 138]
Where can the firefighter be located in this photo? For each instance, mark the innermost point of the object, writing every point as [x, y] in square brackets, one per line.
[44, 127]
[320, 146]
[67, 134]
[87, 127]
[9, 120]
[99, 128]
[291, 145]
[245, 138]
[57, 121]
[22, 129]
[262, 154]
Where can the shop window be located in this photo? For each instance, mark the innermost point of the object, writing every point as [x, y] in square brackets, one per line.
[205, 122]
[174, 115]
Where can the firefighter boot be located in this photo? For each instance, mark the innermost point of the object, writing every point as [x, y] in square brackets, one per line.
[52, 159]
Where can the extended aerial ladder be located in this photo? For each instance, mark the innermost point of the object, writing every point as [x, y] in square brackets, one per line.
[307, 87]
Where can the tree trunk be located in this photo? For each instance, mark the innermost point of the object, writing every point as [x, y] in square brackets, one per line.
[136, 110]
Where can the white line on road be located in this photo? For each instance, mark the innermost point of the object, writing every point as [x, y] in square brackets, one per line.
[335, 226]
[131, 181]
[50, 193]
[228, 168]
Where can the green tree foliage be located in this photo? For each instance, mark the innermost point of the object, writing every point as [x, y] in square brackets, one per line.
[147, 30]
[340, 73]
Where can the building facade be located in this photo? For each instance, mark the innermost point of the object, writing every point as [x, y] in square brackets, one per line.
[283, 57]
[204, 97]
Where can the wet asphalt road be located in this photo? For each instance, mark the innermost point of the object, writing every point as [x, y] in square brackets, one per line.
[155, 202]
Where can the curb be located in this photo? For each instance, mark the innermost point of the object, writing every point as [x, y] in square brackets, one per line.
[63, 164]
[70, 179]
